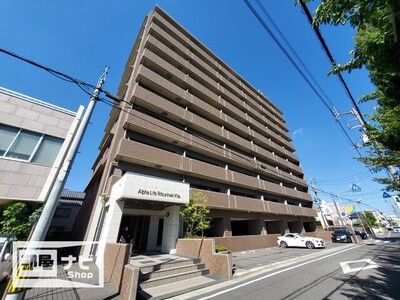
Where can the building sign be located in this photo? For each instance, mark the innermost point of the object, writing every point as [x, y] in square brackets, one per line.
[144, 187]
[348, 209]
[158, 193]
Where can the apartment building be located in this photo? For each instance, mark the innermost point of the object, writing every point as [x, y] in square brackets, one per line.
[189, 123]
[32, 136]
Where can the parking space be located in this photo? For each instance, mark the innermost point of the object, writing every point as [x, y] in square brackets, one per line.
[263, 257]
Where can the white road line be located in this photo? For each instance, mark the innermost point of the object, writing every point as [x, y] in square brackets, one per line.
[347, 269]
[276, 273]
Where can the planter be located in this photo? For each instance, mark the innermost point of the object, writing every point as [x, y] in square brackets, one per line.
[219, 264]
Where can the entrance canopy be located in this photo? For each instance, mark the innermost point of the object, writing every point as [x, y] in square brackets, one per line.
[155, 189]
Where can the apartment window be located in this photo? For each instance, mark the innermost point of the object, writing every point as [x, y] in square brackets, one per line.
[29, 146]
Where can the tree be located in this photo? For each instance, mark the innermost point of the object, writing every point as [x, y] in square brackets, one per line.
[369, 219]
[18, 218]
[377, 48]
[194, 215]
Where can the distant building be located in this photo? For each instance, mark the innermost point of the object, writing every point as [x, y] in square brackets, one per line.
[64, 217]
[32, 133]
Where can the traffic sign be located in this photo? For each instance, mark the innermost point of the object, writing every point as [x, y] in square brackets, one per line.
[386, 195]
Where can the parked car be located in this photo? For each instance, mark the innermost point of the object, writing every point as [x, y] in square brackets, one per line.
[363, 235]
[342, 235]
[299, 240]
[396, 228]
[5, 255]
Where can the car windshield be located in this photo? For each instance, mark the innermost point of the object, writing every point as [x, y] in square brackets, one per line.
[340, 232]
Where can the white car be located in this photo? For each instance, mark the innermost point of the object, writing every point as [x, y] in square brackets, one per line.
[396, 229]
[5, 255]
[299, 240]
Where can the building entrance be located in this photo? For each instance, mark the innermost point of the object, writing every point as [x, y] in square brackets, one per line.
[134, 230]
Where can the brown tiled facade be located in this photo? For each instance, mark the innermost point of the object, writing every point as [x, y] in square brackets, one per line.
[187, 116]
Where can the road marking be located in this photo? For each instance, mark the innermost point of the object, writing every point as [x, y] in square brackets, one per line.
[276, 273]
[346, 268]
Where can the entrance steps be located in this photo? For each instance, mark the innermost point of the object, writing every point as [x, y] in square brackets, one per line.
[173, 278]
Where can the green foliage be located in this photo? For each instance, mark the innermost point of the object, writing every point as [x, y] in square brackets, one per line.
[220, 248]
[194, 215]
[369, 219]
[19, 218]
[377, 48]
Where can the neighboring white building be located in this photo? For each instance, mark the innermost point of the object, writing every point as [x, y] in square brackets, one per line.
[32, 136]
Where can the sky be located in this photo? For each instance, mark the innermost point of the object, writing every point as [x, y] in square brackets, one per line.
[81, 37]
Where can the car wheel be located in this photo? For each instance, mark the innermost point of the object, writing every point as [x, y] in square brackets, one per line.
[349, 240]
[284, 245]
[310, 245]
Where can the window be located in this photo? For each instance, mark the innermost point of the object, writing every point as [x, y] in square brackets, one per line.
[29, 146]
[47, 151]
[7, 135]
[24, 145]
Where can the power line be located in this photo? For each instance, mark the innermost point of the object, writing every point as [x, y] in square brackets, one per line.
[330, 56]
[297, 67]
[55, 73]
[345, 177]
[84, 87]
[251, 161]
[390, 169]
[293, 51]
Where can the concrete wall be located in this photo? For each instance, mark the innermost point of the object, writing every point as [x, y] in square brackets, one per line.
[19, 111]
[129, 283]
[248, 242]
[116, 256]
[21, 180]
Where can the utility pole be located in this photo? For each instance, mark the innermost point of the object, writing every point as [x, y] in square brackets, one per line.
[337, 210]
[41, 228]
[50, 206]
[324, 223]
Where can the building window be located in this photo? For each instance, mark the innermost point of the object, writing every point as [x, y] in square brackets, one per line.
[48, 150]
[23, 145]
[28, 146]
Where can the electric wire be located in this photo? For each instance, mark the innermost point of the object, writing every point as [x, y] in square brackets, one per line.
[54, 72]
[84, 87]
[292, 179]
[293, 51]
[344, 177]
[299, 70]
[330, 56]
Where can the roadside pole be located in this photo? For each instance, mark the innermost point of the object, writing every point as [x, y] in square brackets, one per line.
[51, 203]
[337, 210]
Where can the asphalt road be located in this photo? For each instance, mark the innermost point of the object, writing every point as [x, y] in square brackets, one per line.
[368, 271]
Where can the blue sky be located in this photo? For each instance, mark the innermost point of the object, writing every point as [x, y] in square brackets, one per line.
[81, 37]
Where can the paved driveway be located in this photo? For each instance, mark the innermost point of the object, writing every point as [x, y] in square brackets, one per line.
[262, 257]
